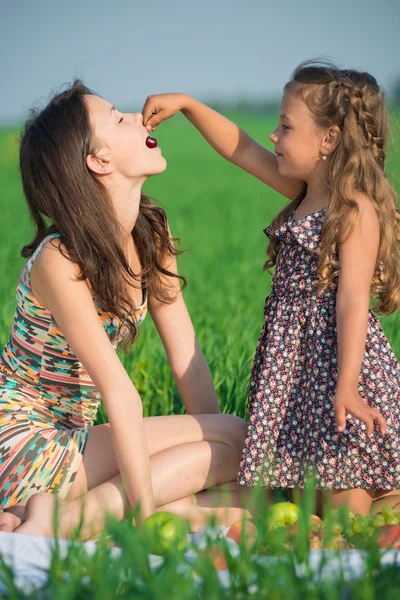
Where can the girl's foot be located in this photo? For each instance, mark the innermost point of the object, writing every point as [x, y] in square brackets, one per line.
[39, 515]
[8, 521]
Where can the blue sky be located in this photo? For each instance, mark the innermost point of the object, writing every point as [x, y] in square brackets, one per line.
[224, 49]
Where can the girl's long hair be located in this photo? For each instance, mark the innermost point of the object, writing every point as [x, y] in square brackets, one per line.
[65, 197]
[354, 102]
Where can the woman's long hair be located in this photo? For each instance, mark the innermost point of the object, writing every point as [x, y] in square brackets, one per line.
[354, 102]
[65, 197]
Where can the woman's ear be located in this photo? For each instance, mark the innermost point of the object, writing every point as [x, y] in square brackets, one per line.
[331, 140]
[99, 165]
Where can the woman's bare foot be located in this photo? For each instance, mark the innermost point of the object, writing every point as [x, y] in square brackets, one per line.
[39, 515]
[8, 521]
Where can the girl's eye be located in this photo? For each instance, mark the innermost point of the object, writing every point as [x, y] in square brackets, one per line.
[121, 119]
[285, 126]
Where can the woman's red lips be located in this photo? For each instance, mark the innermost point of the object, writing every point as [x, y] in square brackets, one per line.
[151, 142]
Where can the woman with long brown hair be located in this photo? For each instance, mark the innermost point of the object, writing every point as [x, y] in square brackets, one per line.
[102, 255]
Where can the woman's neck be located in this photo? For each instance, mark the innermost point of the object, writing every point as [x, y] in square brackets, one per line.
[125, 197]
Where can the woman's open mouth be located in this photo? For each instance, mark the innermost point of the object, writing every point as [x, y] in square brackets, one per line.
[151, 142]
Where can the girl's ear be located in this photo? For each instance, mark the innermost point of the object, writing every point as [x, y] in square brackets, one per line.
[100, 165]
[331, 139]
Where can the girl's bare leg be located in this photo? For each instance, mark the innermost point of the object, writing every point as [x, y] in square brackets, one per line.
[358, 500]
[297, 494]
[390, 498]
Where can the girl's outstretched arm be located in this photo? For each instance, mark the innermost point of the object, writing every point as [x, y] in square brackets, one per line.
[70, 302]
[229, 140]
[188, 365]
[357, 258]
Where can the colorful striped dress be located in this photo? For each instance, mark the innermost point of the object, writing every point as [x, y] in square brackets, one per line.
[47, 399]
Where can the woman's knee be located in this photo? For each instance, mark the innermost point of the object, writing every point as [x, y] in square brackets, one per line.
[235, 429]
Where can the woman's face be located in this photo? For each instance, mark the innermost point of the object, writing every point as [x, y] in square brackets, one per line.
[121, 141]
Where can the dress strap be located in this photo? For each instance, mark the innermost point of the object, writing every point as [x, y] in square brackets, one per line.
[31, 259]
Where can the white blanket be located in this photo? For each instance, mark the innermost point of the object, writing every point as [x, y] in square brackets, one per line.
[30, 558]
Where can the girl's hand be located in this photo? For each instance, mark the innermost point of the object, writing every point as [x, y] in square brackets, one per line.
[349, 402]
[228, 139]
[160, 107]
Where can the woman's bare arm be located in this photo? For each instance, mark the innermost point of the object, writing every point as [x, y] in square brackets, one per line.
[71, 304]
[188, 365]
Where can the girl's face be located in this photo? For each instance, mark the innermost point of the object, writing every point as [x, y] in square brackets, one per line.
[297, 139]
[121, 139]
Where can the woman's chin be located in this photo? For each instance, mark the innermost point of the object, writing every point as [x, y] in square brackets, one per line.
[161, 167]
[156, 170]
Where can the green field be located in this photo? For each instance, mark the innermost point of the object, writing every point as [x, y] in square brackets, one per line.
[219, 213]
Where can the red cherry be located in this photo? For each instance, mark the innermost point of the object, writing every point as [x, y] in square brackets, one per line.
[151, 142]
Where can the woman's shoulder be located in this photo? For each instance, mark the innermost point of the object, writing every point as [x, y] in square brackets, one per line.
[50, 263]
[52, 254]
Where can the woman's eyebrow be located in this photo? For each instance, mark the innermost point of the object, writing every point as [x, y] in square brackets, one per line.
[284, 116]
[112, 108]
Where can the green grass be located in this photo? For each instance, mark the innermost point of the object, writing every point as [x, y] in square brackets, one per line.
[219, 213]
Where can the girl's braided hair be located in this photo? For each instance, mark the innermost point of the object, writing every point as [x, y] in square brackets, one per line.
[353, 101]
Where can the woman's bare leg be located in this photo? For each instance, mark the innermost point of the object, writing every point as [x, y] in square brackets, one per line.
[188, 463]
[99, 463]
[12, 517]
[213, 503]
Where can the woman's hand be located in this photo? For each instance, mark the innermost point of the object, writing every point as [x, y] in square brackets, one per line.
[349, 402]
[160, 107]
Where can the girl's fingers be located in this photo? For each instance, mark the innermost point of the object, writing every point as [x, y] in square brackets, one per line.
[152, 122]
[369, 421]
[149, 109]
[364, 414]
[340, 412]
[381, 422]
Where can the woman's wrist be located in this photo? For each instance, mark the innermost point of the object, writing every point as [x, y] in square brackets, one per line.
[146, 509]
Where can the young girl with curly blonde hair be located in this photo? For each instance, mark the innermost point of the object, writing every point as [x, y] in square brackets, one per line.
[324, 394]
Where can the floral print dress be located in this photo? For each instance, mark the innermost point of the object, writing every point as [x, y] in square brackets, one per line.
[292, 431]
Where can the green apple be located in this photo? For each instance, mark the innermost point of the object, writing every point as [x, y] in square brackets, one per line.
[282, 514]
[165, 533]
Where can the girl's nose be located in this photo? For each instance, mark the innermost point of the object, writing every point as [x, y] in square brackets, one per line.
[273, 137]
